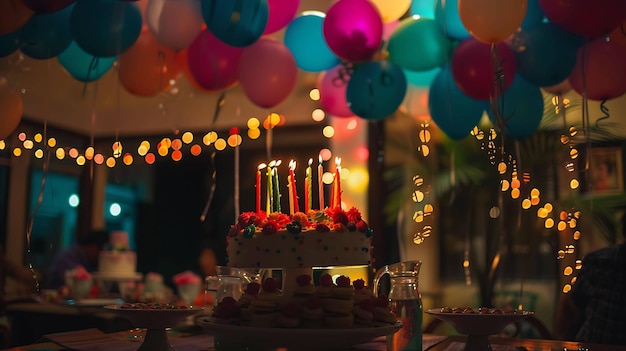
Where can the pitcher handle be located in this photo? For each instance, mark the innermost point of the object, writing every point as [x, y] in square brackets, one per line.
[379, 274]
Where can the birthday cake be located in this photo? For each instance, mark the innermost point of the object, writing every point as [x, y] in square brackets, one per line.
[117, 259]
[332, 237]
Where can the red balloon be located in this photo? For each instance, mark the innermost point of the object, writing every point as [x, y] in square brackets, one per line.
[48, 6]
[147, 68]
[267, 72]
[13, 15]
[474, 71]
[583, 17]
[212, 63]
[600, 72]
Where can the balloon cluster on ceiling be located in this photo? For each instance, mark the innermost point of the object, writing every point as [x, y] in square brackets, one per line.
[489, 55]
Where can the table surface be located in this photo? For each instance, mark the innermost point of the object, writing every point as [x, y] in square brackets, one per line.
[87, 339]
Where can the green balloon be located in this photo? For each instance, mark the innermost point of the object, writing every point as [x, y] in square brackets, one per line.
[417, 44]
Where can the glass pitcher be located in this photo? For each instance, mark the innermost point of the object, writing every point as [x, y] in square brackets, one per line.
[405, 301]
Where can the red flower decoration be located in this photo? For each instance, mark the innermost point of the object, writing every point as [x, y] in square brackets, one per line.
[322, 228]
[270, 227]
[362, 226]
[354, 215]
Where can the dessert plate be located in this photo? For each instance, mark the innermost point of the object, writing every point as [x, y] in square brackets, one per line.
[229, 337]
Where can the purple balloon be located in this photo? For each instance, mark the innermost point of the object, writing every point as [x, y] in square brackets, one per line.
[212, 63]
[332, 86]
[353, 29]
[281, 13]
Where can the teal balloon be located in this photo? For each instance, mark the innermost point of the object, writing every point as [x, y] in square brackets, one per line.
[546, 53]
[423, 8]
[454, 112]
[105, 28]
[534, 15]
[448, 19]
[46, 35]
[82, 65]
[417, 44]
[521, 109]
[304, 37]
[421, 79]
[376, 89]
[236, 22]
[10, 42]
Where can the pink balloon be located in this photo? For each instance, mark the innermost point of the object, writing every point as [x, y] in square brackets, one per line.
[267, 72]
[332, 85]
[583, 17]
[281, 13]
[559, 89]
[353, 29]
[603, 75]
[212, 63]
[164, 20]
[473, 67]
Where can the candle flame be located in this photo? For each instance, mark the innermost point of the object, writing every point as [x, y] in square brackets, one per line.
[337, 161]
[278, 162]
[272, 164]
[310, 162]
[292, 165]
[320, 156]
[261, 166]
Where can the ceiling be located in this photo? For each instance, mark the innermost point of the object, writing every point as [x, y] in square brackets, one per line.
[104, 108]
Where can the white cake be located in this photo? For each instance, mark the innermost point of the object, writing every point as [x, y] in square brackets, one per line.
[117, 260]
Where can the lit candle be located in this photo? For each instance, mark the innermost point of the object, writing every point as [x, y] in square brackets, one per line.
[270, 190]
[276, 199]
[258, 186]
[290, 186]
[294, 189]
[320, 183]
[337, 182]
[308, 185]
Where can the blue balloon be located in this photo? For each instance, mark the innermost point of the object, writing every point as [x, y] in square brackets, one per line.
[46, 35]
[423, 8]
[376, 89]
[236, 23]
[304, 36]
[105, 28]
[520, 109]
[421, 79]
[454, 112]
[448, 19]
[10, 42]
[534, 14]
[545, 53]
[83, 66]
[418, 44]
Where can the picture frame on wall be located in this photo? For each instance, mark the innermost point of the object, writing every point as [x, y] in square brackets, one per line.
[606, 170]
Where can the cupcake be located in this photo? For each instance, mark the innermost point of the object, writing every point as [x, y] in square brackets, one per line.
[304, 289]
[266, 305]
[227, 311]
[289, 316]
[325, 285]
[312, 313]
[364, 312]
[339, 305]
[382, 313]
[361, 292]
[249, 295]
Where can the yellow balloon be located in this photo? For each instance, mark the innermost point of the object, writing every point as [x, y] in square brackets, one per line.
[11, 108]
[391, 10]
[492, 21]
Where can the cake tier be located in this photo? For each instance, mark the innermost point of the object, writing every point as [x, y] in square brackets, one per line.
[116, 262]
[306, 249]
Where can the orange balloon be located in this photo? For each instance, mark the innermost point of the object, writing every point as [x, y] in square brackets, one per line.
[13, 15]
[492, 21]
[11, 108]
[147, 68]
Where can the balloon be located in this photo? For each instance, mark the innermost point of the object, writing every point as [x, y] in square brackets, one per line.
[454, 112]
[332, 85]
[619, 34]
[212, 63]
[586, 18]
[389, 28]
[421, 79]
[603, 75]
[147, 68]
[546, 54]
[11, 108]
[534, 15]
[305, 39]
[83, 66]
[105, 28]
[376, 89]
[164, 18]
[491, 21]
[13, 15]
[353, 29]
[10, 42]
[520, 109]
[559, 89]
[391, 10]
[474, 71]
[418, 45]
[267, 72]
[447, 17]
[48, 6]
[183, 63]
[46, 35]
[281, 12]
[236, 23]
[423, 8]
